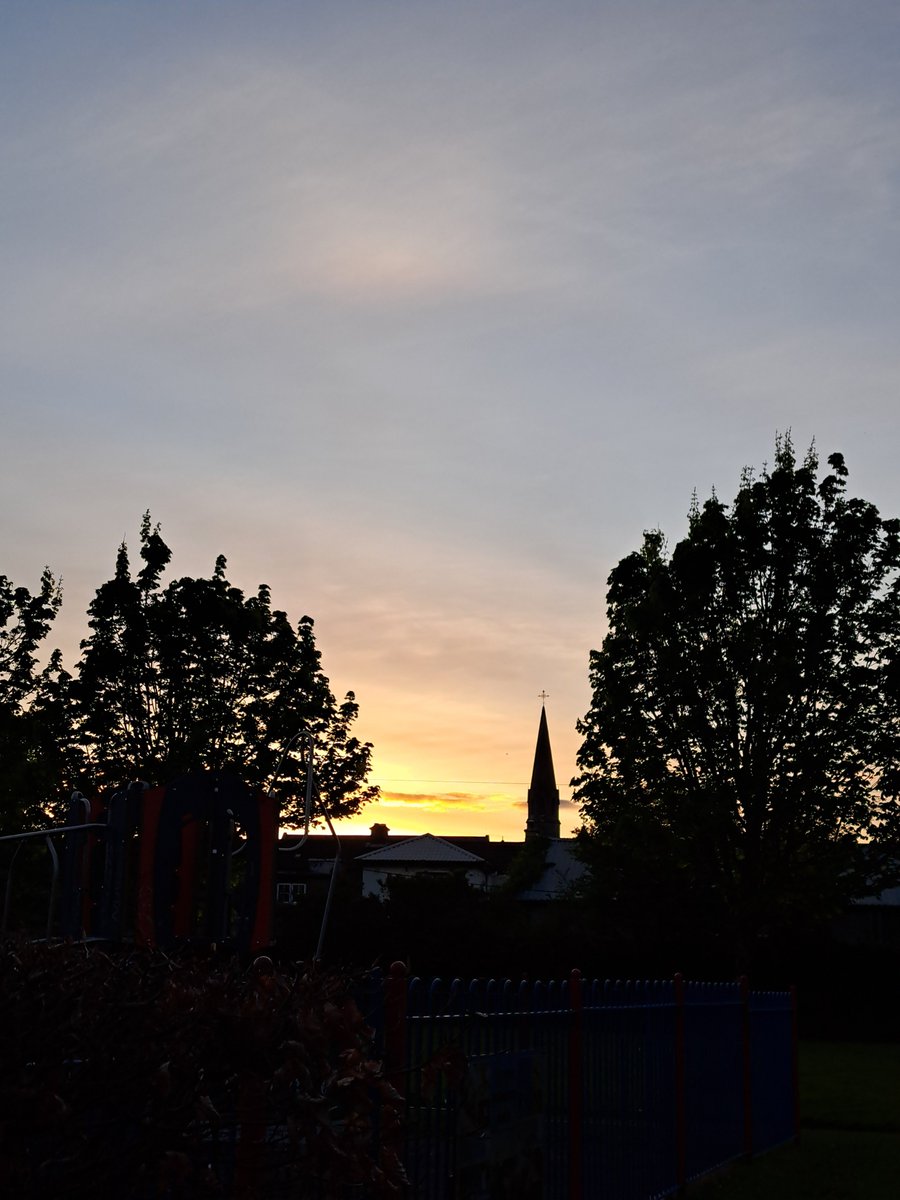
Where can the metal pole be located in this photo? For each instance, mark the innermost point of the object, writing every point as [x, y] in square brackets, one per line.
[8, 894]
[309, 785]
[330, 896]
[54, 883]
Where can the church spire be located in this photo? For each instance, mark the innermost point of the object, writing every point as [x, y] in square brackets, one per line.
[543, 795]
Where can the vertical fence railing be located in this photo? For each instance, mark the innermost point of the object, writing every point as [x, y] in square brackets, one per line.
[576, 1050]
[574, 1089]
[629, 1090]
[772, 1068]
[714, 1076]
[680, 1107]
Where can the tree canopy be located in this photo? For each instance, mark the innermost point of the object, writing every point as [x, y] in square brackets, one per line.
[740, 755]
[173, 677]
[33, 712]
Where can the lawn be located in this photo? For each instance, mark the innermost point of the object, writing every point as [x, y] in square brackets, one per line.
[850, 1132]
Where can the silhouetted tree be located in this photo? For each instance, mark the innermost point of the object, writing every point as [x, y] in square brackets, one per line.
[739, 767]
[34, 714]
[197, 675]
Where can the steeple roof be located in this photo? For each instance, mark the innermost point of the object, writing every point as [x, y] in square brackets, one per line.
[542, 776]
[543, 795]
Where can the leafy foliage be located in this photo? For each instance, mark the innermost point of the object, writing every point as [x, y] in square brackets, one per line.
[739, 763]
[197, 675]
[33, 709]
[425, 914]
[527, 867]
[134, 1074]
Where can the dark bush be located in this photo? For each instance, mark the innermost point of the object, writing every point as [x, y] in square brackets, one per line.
[137, 1074]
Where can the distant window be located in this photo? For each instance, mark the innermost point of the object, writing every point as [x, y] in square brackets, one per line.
[289, 893]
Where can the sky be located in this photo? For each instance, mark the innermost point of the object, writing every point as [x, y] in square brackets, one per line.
[422, 313]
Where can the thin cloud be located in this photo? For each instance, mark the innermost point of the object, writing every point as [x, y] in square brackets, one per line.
[563, 804]
[437, 800]
[421, 314]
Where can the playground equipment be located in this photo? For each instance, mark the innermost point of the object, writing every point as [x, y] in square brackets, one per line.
[192, 861]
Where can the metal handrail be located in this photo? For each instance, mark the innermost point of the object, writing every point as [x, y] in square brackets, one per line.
[35, 833]
[47, 835]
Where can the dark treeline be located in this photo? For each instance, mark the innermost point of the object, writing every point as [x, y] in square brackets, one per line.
[739, 772]
[740, 763]
[172, 677]
[442, 928]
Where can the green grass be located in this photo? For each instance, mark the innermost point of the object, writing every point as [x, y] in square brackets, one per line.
[827, 1165]
[850, 1085]
[850, 1133]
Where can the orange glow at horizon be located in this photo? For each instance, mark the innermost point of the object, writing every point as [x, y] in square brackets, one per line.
[431, 782]
[483, 810]
[441, 811]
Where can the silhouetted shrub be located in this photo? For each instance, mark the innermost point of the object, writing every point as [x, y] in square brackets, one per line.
[136, 1074]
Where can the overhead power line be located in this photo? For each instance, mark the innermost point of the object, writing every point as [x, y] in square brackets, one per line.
[493, 782]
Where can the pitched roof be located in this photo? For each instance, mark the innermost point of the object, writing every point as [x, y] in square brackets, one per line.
[562, 869]
[322, 847]
[424, 848]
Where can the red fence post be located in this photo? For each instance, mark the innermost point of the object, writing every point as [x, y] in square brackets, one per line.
[747, 1068]
[576, 1086]
[680, 1097]
[795, 1062]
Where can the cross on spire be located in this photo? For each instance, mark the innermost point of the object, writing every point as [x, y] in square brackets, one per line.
[543, 696]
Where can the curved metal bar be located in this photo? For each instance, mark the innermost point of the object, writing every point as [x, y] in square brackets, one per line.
[8, 893]
[54, 884]
[48, 835]
[331, 883]
[307, 809]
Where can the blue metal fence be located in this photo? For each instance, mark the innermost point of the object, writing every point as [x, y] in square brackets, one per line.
[629, 1105]
[571, 1090]
[773, 1080]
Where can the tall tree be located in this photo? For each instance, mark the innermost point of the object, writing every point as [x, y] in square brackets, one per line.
[740, 756]
[197, 675]
[34, 724]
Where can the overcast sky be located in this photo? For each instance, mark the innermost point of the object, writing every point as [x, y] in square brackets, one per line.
[422, 312]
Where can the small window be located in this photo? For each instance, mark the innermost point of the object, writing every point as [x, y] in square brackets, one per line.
[289, 893]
